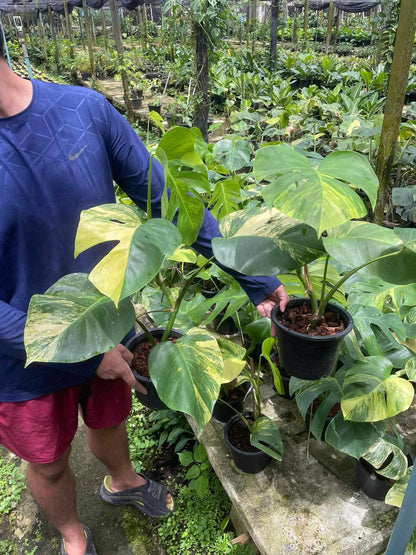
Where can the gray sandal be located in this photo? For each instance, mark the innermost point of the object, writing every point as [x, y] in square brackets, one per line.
[89, 550]
[148, 498]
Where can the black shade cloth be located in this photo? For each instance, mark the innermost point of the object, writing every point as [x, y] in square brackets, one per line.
[75, 3]
[343, 5]
[95, 4]
[130, 4]
[58, 7]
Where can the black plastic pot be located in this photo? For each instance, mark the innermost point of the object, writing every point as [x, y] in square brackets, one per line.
[306, 356]
[85, 75]
[152, 399]
[249, 462]
[136, 103]
[155, 108]
[223, 412]
[372, 484]
[225, 327]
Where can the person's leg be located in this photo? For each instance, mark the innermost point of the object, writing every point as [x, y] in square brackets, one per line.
[53, 487]
[105, 411]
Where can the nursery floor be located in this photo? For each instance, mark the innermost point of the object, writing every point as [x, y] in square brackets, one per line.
[310, 502]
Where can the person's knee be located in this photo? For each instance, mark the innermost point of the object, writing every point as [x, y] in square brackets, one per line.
[52, 472]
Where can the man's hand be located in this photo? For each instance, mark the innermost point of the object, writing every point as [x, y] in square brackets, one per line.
[116, 364]
[278, 296]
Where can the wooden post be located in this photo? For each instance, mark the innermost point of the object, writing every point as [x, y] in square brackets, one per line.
[120, 56]
[402, 57]
[104, 29]
[295, 27]
[201, 105]
[55, 41]
[43, 41]
[274, 12]
[329, 28]
[305, 21]
[88, 32]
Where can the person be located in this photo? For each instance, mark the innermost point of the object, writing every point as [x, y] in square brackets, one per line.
[61, 147]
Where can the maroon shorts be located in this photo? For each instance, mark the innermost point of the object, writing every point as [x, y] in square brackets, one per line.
[41, 430]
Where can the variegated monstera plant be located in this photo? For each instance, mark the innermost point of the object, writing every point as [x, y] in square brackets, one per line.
[310, 232]
[83, 315]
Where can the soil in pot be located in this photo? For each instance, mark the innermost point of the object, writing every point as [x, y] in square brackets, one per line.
[246, 457]
[140, 346]
[304, 355]
[299, 319]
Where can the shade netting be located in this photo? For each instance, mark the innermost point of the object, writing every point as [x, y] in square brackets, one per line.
[343, 5]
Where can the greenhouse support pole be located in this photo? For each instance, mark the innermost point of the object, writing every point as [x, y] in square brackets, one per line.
[88, 33]
[43, 36]
[274, 12]
[405, 521]
[19, 28]
[54, 38]
[402, 57]
[329, 29]
[120, 56]
[6, 49]
[306, 21]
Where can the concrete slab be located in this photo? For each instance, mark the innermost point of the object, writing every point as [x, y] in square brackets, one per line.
[309, 503]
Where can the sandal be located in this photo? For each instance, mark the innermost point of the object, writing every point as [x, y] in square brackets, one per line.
[148, 498]
[89, 550]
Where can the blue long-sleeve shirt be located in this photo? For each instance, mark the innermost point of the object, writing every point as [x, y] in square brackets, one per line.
[59, 157]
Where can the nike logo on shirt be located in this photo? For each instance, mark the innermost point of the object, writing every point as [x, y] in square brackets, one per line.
[73, 157]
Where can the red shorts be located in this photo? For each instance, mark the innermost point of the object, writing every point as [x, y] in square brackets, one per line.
[41, 430]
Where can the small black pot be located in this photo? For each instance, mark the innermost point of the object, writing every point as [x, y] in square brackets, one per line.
[372, 484]
[249, 462]
[136, 103]
[85, 75]
[223, 412]
[155, 108]
[306, 356]
[227, 327]
[152, 399]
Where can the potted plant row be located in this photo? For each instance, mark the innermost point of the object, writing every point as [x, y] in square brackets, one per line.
[311, 213]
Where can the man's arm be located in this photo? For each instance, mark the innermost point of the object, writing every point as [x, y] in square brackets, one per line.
[130, 164]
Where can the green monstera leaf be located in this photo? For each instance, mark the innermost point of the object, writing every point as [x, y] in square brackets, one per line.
[352, 438]
[322, 196]
[371, 392]
[382, 451]
[188, 373]
[138, 255]
[186, 176]
[72, 321]
[357, 243]
[265, 242]
[376, 292]
[265, 435]
[232, 152]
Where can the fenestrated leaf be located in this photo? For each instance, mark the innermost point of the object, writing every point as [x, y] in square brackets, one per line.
[370, 393]
[225, 198]
[265, 242]
[233, 153]
[72, 321]
[375, 292]
[322, 197]
[396, 493]
[366, 318]
[352, 168]
[265, 435]
[380, 452]
[138, 255]
[185, 173]
[187, 374]
[352, 438]
[356, 243]
[233, 297]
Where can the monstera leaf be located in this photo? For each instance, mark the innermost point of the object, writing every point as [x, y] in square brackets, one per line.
[352, 438]
[188, 373]
[384, 450]
[322, 196]
[376, 292]
[371, 393]
[72, 321]
[232, 152]
[265, 242]
[232, 297]
[138, 255]
[396, 493]
[356, 243]
[265, 435]
[185, 173]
